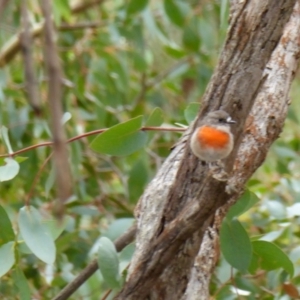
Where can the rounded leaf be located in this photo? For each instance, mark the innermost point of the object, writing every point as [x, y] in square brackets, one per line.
[10, 170]
[235, 244]
[36, 235]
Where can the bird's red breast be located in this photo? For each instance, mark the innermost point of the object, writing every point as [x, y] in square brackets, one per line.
[212, 137]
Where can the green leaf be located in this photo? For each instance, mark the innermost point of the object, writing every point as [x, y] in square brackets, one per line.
[20, 281]
[224, 11]
[20, 159]
[127, 253]
[7, 257]
[121, 139]
[191, 112]
[10, 170]
[247, 200]
[55, 227]
[156, 118]
[118, 227]
[191, 38]
[36, 235]
[61, 11]
[4, 133]
[235, 244]
[6, 232]
[271, 257]
[135, 6]
[138, 178]
[108, 262]
[174, 12]
[174, 52]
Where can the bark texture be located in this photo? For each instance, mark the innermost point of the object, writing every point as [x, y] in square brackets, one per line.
[263, 126]
[181, 201]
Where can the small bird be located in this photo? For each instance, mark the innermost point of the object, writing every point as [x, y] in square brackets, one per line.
[213, 139]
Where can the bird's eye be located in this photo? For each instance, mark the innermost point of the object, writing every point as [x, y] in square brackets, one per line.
[222, 120]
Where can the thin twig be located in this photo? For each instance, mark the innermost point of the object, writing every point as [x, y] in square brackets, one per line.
[81, 25]
[85, 274]
[36, 178]
[78, 137]
[147, 85]
[106, 294]
[160, 77]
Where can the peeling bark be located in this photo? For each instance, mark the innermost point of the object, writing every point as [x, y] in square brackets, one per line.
[181, 201]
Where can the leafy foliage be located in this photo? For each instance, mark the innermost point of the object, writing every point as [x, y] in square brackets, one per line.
[128, 64]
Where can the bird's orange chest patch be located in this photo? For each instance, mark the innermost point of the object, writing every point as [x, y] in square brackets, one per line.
[211, 137]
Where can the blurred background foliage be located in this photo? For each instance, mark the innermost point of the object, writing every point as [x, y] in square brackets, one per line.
[122, 59]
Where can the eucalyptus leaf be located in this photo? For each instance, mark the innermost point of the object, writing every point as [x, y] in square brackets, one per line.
[10, 170]
[7, 257]
[235, 244]
[36, 235]
[121, 139]
[6, 232]
[21, 283]
[271, 257]
[108, 262]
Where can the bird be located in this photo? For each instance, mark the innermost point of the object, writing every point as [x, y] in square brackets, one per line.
[213, 139]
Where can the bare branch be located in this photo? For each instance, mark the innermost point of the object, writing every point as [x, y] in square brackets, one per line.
[80, 25]
[62, 168]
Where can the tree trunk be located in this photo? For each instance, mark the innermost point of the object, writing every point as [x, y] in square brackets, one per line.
[179, 214]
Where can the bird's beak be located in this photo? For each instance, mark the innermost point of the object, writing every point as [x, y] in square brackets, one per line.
[230, 121]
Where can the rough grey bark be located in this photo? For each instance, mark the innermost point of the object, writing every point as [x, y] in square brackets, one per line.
[181, 201]
[262, 128]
